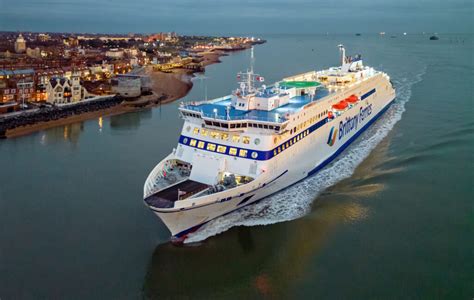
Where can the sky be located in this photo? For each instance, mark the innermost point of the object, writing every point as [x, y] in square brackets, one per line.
[221, 17]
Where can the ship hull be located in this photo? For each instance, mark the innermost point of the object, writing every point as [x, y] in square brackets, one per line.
[318, 151]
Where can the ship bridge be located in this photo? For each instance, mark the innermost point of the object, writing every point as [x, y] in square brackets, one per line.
[221, 113]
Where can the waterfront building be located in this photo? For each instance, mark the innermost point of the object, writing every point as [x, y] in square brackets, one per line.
[127, 86]
[17, 85]
[61, 90]
[20, 44]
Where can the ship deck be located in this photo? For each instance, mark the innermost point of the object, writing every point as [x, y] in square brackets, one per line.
[166, 197]
[217, 109]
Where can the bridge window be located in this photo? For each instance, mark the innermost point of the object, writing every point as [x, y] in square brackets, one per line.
[201, 144]
[211, 147]
[243, 153]
[246, 140]
[232, 151]
[192, 143]
[221, 149]
[238, 125]
[235, 138]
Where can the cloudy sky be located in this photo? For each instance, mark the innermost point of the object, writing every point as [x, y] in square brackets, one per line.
[243, 16]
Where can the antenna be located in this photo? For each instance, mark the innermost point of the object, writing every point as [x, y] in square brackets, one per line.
[252, 60]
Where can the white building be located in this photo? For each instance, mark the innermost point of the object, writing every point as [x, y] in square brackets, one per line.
[20, 44]
[114, 53]
[127, 86]
[62, 90]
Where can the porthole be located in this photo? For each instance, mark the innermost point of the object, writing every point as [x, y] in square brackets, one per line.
[185, 140]
[257, 141]
[254, 154]
[188, 128]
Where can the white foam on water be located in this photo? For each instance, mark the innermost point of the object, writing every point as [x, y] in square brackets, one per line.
[295, 201]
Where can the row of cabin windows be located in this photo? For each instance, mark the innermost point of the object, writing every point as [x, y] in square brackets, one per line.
[241, 125]
[221, 135]
[243, 152]
[218, 148]
[191, 115]
[308, 122]
[290, 142]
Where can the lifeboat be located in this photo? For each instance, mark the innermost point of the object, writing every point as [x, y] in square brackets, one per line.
[340, 105]
[352, 99]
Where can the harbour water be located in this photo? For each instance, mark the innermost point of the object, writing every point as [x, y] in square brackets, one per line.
[391, 218]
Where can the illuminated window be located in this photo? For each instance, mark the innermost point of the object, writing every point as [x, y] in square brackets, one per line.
[211, 147]
[221, 149]
[203, 132]
[196, 130]
[274, 152]
[243, 153]
[246, 140]
[235, 138]
[294, 140]
[232, 151]
[201, 145]
[214, 135]
[193, 143]
[224, 136]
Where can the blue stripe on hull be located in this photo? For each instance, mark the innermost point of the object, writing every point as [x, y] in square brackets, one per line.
[310, 173]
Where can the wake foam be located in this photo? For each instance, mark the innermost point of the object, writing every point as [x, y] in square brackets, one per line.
[295, 201]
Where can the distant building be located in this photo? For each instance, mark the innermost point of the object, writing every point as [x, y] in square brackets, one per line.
[42, 37]
[20, 44]
[114, 53]
[33, 53]
[63, 90]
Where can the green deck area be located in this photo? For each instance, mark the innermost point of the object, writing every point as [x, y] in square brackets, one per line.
[300, 84]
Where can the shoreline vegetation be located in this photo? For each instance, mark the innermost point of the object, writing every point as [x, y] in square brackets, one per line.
[166, 87]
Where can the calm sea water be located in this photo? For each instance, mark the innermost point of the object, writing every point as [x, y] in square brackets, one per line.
[391, 218]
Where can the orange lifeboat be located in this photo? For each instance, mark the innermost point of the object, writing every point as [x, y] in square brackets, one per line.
[352, 99]
[341, 105]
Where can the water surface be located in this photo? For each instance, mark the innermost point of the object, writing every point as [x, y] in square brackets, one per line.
[392, 217]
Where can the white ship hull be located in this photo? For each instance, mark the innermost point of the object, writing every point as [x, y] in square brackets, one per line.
[306, 160]
[238, 149]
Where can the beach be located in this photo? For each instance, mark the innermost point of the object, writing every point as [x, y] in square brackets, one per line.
[166, 88]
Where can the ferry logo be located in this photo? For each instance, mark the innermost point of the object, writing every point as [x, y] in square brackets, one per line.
[332, 136]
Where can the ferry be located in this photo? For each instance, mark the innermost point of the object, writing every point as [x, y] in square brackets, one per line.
[240, 148]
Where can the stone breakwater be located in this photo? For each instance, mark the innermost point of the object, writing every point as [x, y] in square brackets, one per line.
[47, 114]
